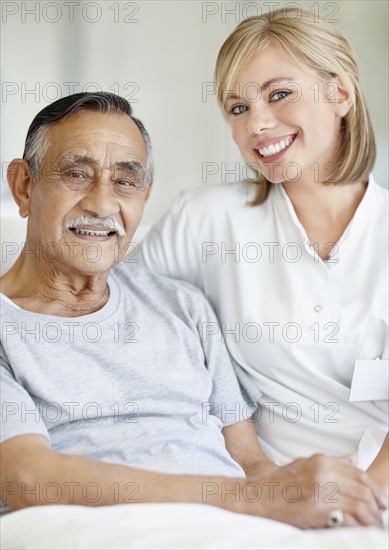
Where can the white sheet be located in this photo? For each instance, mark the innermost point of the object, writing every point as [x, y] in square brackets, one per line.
[168, 526]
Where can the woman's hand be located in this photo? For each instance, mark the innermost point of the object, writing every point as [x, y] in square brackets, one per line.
[304, 493]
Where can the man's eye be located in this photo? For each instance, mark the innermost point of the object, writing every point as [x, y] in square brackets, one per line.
[277, 96]
[126, 183]
[75, 175]
[238, 109]
[129, 183]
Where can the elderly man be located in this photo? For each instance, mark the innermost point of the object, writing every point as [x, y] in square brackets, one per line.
[110, 395]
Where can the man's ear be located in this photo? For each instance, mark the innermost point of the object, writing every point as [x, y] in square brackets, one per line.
[148, 191]
[341, 93]
[19, 182]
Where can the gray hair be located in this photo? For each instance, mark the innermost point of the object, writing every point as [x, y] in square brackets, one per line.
[37, 140]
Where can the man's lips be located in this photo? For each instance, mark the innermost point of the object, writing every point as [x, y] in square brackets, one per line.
[93, 233]
[272, 148]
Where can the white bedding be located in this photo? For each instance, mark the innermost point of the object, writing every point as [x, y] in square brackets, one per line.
[168, 526]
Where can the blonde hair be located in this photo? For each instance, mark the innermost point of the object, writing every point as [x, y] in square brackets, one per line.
[320, 46]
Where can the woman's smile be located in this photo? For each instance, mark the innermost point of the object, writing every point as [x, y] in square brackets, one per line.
[272, 149]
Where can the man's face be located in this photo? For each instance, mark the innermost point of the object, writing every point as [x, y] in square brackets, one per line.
[90, 196]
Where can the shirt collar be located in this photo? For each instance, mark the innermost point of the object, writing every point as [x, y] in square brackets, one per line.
[361, 218]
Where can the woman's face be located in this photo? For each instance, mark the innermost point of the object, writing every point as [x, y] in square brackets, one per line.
[285, 119]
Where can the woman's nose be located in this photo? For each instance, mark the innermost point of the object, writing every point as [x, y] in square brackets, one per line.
[260, 119]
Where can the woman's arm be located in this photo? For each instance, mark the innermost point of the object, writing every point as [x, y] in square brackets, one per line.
[243, 445]
[290, 491]
[379, 468]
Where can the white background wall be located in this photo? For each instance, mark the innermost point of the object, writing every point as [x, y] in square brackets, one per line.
[160, 54]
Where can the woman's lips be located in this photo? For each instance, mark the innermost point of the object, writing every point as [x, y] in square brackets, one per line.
[273, 149]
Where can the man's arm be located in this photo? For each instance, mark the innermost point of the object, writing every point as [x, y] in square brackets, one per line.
[32, 474]
[379, 468]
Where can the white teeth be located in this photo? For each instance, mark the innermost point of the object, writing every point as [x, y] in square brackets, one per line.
[275, 148]
[94, 233]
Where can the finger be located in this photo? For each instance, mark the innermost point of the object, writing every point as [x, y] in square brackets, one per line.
[349, 521]
[357, 514]
[352, 459]
[364, 515]
[379, 494]
[370, 487]
[359, 485]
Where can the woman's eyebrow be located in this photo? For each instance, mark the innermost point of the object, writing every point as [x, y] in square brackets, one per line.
[232, 96]
[266, 84]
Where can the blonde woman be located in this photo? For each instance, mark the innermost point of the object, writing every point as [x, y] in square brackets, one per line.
[295, 262]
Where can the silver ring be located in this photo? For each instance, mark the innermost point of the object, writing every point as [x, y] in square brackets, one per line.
[335, 518]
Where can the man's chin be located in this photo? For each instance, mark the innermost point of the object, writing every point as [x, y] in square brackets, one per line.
[92, 256]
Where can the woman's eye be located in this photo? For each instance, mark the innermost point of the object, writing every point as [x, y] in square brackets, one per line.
[238, 109]
[280, 95]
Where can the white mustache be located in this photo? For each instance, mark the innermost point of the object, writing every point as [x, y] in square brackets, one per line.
[106, 223]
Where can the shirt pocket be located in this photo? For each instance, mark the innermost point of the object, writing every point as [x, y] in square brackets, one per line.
[373, 356]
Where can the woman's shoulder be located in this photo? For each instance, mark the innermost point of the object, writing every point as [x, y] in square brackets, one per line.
[377, 199]
[217, 197]
[379, 190]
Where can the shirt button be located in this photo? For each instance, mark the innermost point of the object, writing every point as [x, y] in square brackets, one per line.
[318, 308]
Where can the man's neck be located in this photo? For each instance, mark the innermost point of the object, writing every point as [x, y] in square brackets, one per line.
[43, 288]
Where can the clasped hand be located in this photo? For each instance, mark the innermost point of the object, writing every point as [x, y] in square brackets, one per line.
[305, 492]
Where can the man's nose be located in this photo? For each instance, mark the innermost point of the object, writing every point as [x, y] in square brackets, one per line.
[260, 119]
[100, 199]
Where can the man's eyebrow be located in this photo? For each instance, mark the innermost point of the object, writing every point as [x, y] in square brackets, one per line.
[232, 96]
[73, 158]
[129, 166]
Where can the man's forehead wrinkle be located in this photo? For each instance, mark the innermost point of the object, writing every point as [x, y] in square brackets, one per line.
[131, 137]
[100, 141]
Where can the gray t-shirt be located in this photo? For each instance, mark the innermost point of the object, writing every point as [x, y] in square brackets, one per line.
[145, 381]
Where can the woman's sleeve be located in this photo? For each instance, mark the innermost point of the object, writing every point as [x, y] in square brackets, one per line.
[170, 248]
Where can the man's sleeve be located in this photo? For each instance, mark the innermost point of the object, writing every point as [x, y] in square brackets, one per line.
[19, 414]
[227, 401]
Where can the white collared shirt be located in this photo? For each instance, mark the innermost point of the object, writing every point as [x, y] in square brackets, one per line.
[294, 324]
